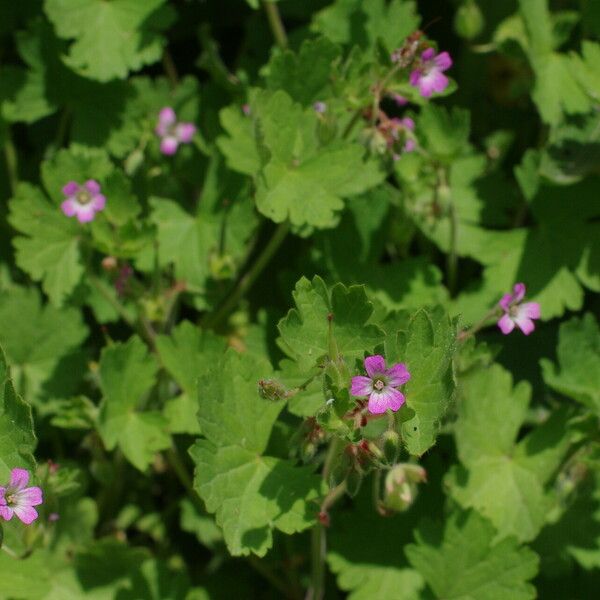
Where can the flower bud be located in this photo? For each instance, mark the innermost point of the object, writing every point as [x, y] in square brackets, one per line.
[401, 486]
[269, 389]
[468, 20]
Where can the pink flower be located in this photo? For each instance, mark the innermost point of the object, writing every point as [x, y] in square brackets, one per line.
[83, 201]
[399, 100]
[171, 132]
[18, 499]
[381, 384]
[515, 313]
[429, 75]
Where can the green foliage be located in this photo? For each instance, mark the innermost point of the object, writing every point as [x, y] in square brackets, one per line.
[578, 371]
[110, 39]
[506, 481]
[281, 206]
[463, 561]
[250, 493]
[17, 440]
[126, 375]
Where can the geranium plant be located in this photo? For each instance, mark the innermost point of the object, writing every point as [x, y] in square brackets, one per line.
[299, 300]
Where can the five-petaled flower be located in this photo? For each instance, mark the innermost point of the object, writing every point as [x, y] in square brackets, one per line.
[429, 75]
[517, 313]
[83, 201]
[18, 499]
[380, 385]
[172, 132]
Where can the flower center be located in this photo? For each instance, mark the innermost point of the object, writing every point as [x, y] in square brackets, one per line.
[83, 197]
[513, 310]
[10, 500]
[379, 384]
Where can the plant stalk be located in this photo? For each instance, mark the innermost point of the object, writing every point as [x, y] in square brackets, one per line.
[247, 281]
[276, 24]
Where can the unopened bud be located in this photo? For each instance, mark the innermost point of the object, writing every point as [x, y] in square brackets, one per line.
[109, 263]
[401, 486]
[468, 20]
[269, 389]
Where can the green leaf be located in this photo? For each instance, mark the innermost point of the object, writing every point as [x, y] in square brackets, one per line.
[586, 68]
[504, 480]
[184, 354]
[353, 21]
[48, 250]
[251, 494]
[37, 338]
[17, 439]
[427, 348]
[155, 581]
[299, 178]
[556, 90]
[110, 38]
[577, 374]
[305, 76]
[366, 554]
[446, 131]
[462, 562]
[304, 331]
[127, 373]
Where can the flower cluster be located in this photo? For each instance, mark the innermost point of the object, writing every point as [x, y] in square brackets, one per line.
[18, 499]
[517, 313]
[381, 385]
[172, 132]
[82, 201]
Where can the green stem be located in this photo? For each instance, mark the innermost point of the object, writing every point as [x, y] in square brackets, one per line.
[467, 333]
[247, 280]
[318, 535]
[12, 164]
[452, 259]
[145, 333]
[170, 68]
[276, 24]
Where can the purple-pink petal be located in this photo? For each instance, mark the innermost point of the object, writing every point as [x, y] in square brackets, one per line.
[506, 324]
[98, 202]
[361, 386]
[409, 146]
[428, 54]
[167, 116]
[70, 188]
[519, 292]
[2, 493]
[505, 301]
[375, 365]
[443, 61]
[19, 478]
[27, 514]
[6, 512]
[395, 399]
[414, 78]
[69, 207]
[398, 374]
[379, 402]
[530, 309]
[408, 123]
[86, 213]
[31, 496]
[525, 324]
[169, 145]
[92, 186]
[185, 132]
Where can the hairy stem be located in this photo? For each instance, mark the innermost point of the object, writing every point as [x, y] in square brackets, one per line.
[247, 280]
[170, 68]
[276, 24]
